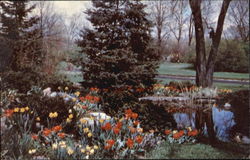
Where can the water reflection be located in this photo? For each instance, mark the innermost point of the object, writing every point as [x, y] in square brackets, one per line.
[223, 122]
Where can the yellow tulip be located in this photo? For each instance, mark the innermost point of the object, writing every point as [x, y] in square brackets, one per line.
[55, 114]
[71, 116]
[38, 118]
[83, 150]
[22, 110]
[51, 115]
[66, 88]
[89, 134]
[70, 151]
[83, 121]
[54, 146]
[92, 151]
[27, 108]
[16, 109]
[96, 147]
[86, 130]
[68, 120]
[101, 120]
[88, 148]
[77, 93]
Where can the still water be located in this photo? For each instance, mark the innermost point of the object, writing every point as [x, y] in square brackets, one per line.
[223, 122]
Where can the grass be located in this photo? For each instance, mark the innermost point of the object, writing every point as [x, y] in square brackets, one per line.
[174, 68]
[233, 87]
[185, 69]
[190, 151]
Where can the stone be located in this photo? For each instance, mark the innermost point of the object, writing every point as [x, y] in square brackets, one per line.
[47, 91]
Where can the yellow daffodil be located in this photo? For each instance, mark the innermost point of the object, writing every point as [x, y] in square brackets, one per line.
[96, 147]
[27, 108]
[54, 146]
[88, 148]
[73, 99]
[31, 151]
[83, 121]
[70, 151]
[51, 115]
[120, 120]
[71, 116]
[16, 109]
[92, 151]
[101, 120]
[62, 143]
[86, 130]
[55, 114]
[22, 110]
[68, 120]
[77, 93]
[38, 118]
[89, 134]
[83, 150]
[66, 88]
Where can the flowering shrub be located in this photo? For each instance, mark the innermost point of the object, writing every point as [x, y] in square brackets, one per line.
[182, 136]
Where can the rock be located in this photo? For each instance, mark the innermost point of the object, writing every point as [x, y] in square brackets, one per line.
[47, 91]
[100, 115]
[245, 140]
[53, 94]
[227, 105]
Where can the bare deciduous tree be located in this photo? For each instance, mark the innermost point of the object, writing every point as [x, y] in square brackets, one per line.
[239, 17]
[159, 15]
[52, 28]
[205, 63]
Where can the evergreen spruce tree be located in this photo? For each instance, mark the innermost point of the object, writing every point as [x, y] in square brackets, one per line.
[20, 34]
[118, 51]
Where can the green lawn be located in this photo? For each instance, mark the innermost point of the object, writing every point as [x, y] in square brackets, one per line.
[233, 87]
[190, 151]
[184, 69]
[176, 69]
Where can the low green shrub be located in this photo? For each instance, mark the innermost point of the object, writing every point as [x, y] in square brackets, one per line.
[24, 80]
[232, 57]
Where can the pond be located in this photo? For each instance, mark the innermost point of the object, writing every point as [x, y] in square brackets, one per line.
[223, 122]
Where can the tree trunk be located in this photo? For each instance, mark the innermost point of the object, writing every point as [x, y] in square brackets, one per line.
[204, 66]
[200, 43]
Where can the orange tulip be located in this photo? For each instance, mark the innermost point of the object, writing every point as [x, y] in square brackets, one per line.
[134, 115]
[116, 130]
[107, 126]
[46, 132]
[136, 123]
[34, 137]
[167, 132]
[128, 111]
[130, 143]
[119, 125]
[132, 129]
[61, 135]
[8, 112]
[57, 128]
[139, 139]
[181, 133]
[176, 136]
